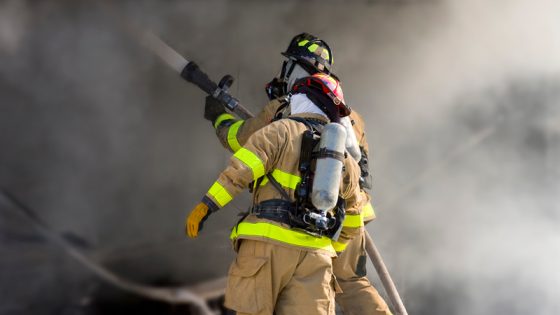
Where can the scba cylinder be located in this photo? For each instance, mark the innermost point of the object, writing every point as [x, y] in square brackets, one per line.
[328, 169]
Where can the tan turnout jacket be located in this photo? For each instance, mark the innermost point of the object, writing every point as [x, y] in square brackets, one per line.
[235, 133]
[275, 149]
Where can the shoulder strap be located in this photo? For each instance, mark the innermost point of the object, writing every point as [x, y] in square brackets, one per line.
[283, 104]
[278, 187]
[314, 125]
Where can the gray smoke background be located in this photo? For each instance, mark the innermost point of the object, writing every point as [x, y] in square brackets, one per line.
[106, 143]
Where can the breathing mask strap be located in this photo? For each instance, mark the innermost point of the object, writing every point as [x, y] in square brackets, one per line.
[286, 73]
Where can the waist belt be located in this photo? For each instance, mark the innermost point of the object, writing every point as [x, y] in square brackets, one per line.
[284, 211]
[276, 210]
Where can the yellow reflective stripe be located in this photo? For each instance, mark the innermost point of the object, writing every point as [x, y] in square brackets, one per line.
[287, 180]
[313, 47]
[339, 247]
[367, 211]
[220, 194]
[325, 54]
[221, 118]
[252, 161]
[281, 234]
[303, 42]
[353, 221]
[232, 136]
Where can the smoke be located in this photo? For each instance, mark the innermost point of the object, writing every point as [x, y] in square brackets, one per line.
[483, 225]
[464, 156]
[13, 21]
[460, 98]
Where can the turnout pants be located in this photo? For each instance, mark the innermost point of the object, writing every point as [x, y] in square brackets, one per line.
[358, 296]
[266, 278]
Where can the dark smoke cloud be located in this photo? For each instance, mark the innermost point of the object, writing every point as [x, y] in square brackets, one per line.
[107, 143]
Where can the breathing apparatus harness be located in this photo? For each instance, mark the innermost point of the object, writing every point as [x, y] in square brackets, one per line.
[301, 214]
[366, 181]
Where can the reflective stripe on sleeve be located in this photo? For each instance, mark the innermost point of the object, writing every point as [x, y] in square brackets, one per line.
[281, 234]
[223, 117]
[367, 211]
[252, 161]
[232, 136]
[339, 247]
[287, 180]
[353, 221]
[220, 194]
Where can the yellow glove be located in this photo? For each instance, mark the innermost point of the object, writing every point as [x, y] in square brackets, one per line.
[195, 220]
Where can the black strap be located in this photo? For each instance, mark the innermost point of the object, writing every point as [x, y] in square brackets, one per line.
[315, 125]
[309, 122]
[286, 73]
[274, 209]
[326, 153]
[255, 187]
[283, 104]
[278, 187]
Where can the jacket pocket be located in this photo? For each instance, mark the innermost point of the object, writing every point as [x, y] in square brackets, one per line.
[248, 285]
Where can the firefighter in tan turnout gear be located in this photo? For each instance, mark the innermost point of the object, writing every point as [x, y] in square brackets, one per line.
[285, 244]
[307, 55]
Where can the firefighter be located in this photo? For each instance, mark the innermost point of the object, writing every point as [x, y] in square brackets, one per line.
[284, 260]
[307, 54]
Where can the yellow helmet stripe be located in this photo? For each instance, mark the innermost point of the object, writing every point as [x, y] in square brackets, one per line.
[303, 42]
[325, 54]
[312, 47]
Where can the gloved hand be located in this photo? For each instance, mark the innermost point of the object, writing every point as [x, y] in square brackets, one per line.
[196, 218]
[213, 108]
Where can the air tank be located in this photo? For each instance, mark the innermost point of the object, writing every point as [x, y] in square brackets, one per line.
[352, 145]
[328, 169]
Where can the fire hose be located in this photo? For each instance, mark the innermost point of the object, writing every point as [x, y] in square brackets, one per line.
[171, 295]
